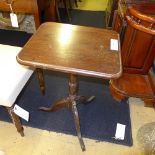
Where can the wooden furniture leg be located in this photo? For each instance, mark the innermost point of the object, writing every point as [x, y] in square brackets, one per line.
[76, 4]
[67, 9]
[41, 80]
[51, 11]
[72, 94]
[70, 4]
[70, 102]
[16, 120]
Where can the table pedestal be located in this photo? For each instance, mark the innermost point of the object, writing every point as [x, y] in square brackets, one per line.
[71, 102]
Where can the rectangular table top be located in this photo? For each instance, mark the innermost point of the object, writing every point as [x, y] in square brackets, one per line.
[73, 49]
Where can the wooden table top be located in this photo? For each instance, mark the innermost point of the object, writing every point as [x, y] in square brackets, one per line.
[73, 49]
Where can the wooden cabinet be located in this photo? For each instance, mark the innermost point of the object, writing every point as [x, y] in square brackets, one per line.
[145, 6]
[133, 61]
[138, 53]
[33, 7]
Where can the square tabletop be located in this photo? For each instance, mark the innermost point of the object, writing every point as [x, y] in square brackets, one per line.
[73, 49]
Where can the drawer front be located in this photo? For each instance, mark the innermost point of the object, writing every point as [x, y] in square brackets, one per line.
[25, 6]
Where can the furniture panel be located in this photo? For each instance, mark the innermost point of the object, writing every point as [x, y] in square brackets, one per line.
[137, 51]
[34, 7]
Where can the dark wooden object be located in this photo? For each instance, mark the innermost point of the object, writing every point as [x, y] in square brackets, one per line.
[138, 49]
[34, 7]
[40, 75]
[138, 53]
[146, 7]
[76, 50]
[51, 11]
[111, 7]
[16, 120]
[71, 102]
[134, 85]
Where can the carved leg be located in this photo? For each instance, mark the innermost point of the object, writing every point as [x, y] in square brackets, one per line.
[70, 102]
[57, 105]
[77, 125]
[40, 76]
[115, 94]
[73, 86]
[16, 121]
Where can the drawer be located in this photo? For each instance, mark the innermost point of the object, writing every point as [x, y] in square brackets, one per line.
[25, 6]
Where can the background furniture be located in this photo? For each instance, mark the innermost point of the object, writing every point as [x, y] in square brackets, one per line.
[42, 10]
[119, 21]
[138, 53]
[111, 7]
[34, 7]
[12, 80]
[59, 52]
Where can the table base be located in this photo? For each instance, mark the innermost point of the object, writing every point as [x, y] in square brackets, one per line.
[71, 102]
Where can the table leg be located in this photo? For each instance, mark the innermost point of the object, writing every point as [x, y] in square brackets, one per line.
[77, 125]
[40, 76]
[67, 9]
[73, 87]
[71, 102]
[57, 105]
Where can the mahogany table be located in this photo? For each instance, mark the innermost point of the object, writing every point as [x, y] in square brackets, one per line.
[76, 50]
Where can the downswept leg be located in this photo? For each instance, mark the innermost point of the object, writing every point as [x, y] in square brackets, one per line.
[77, 125]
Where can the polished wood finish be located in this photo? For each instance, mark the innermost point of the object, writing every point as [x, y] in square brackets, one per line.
[138, 53]
[144, 6]
[54, 46]
[76, 50]
[135, 85]
[139, 43]
[132, 85]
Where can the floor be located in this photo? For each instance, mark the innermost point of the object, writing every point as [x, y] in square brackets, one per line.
[40, 142]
